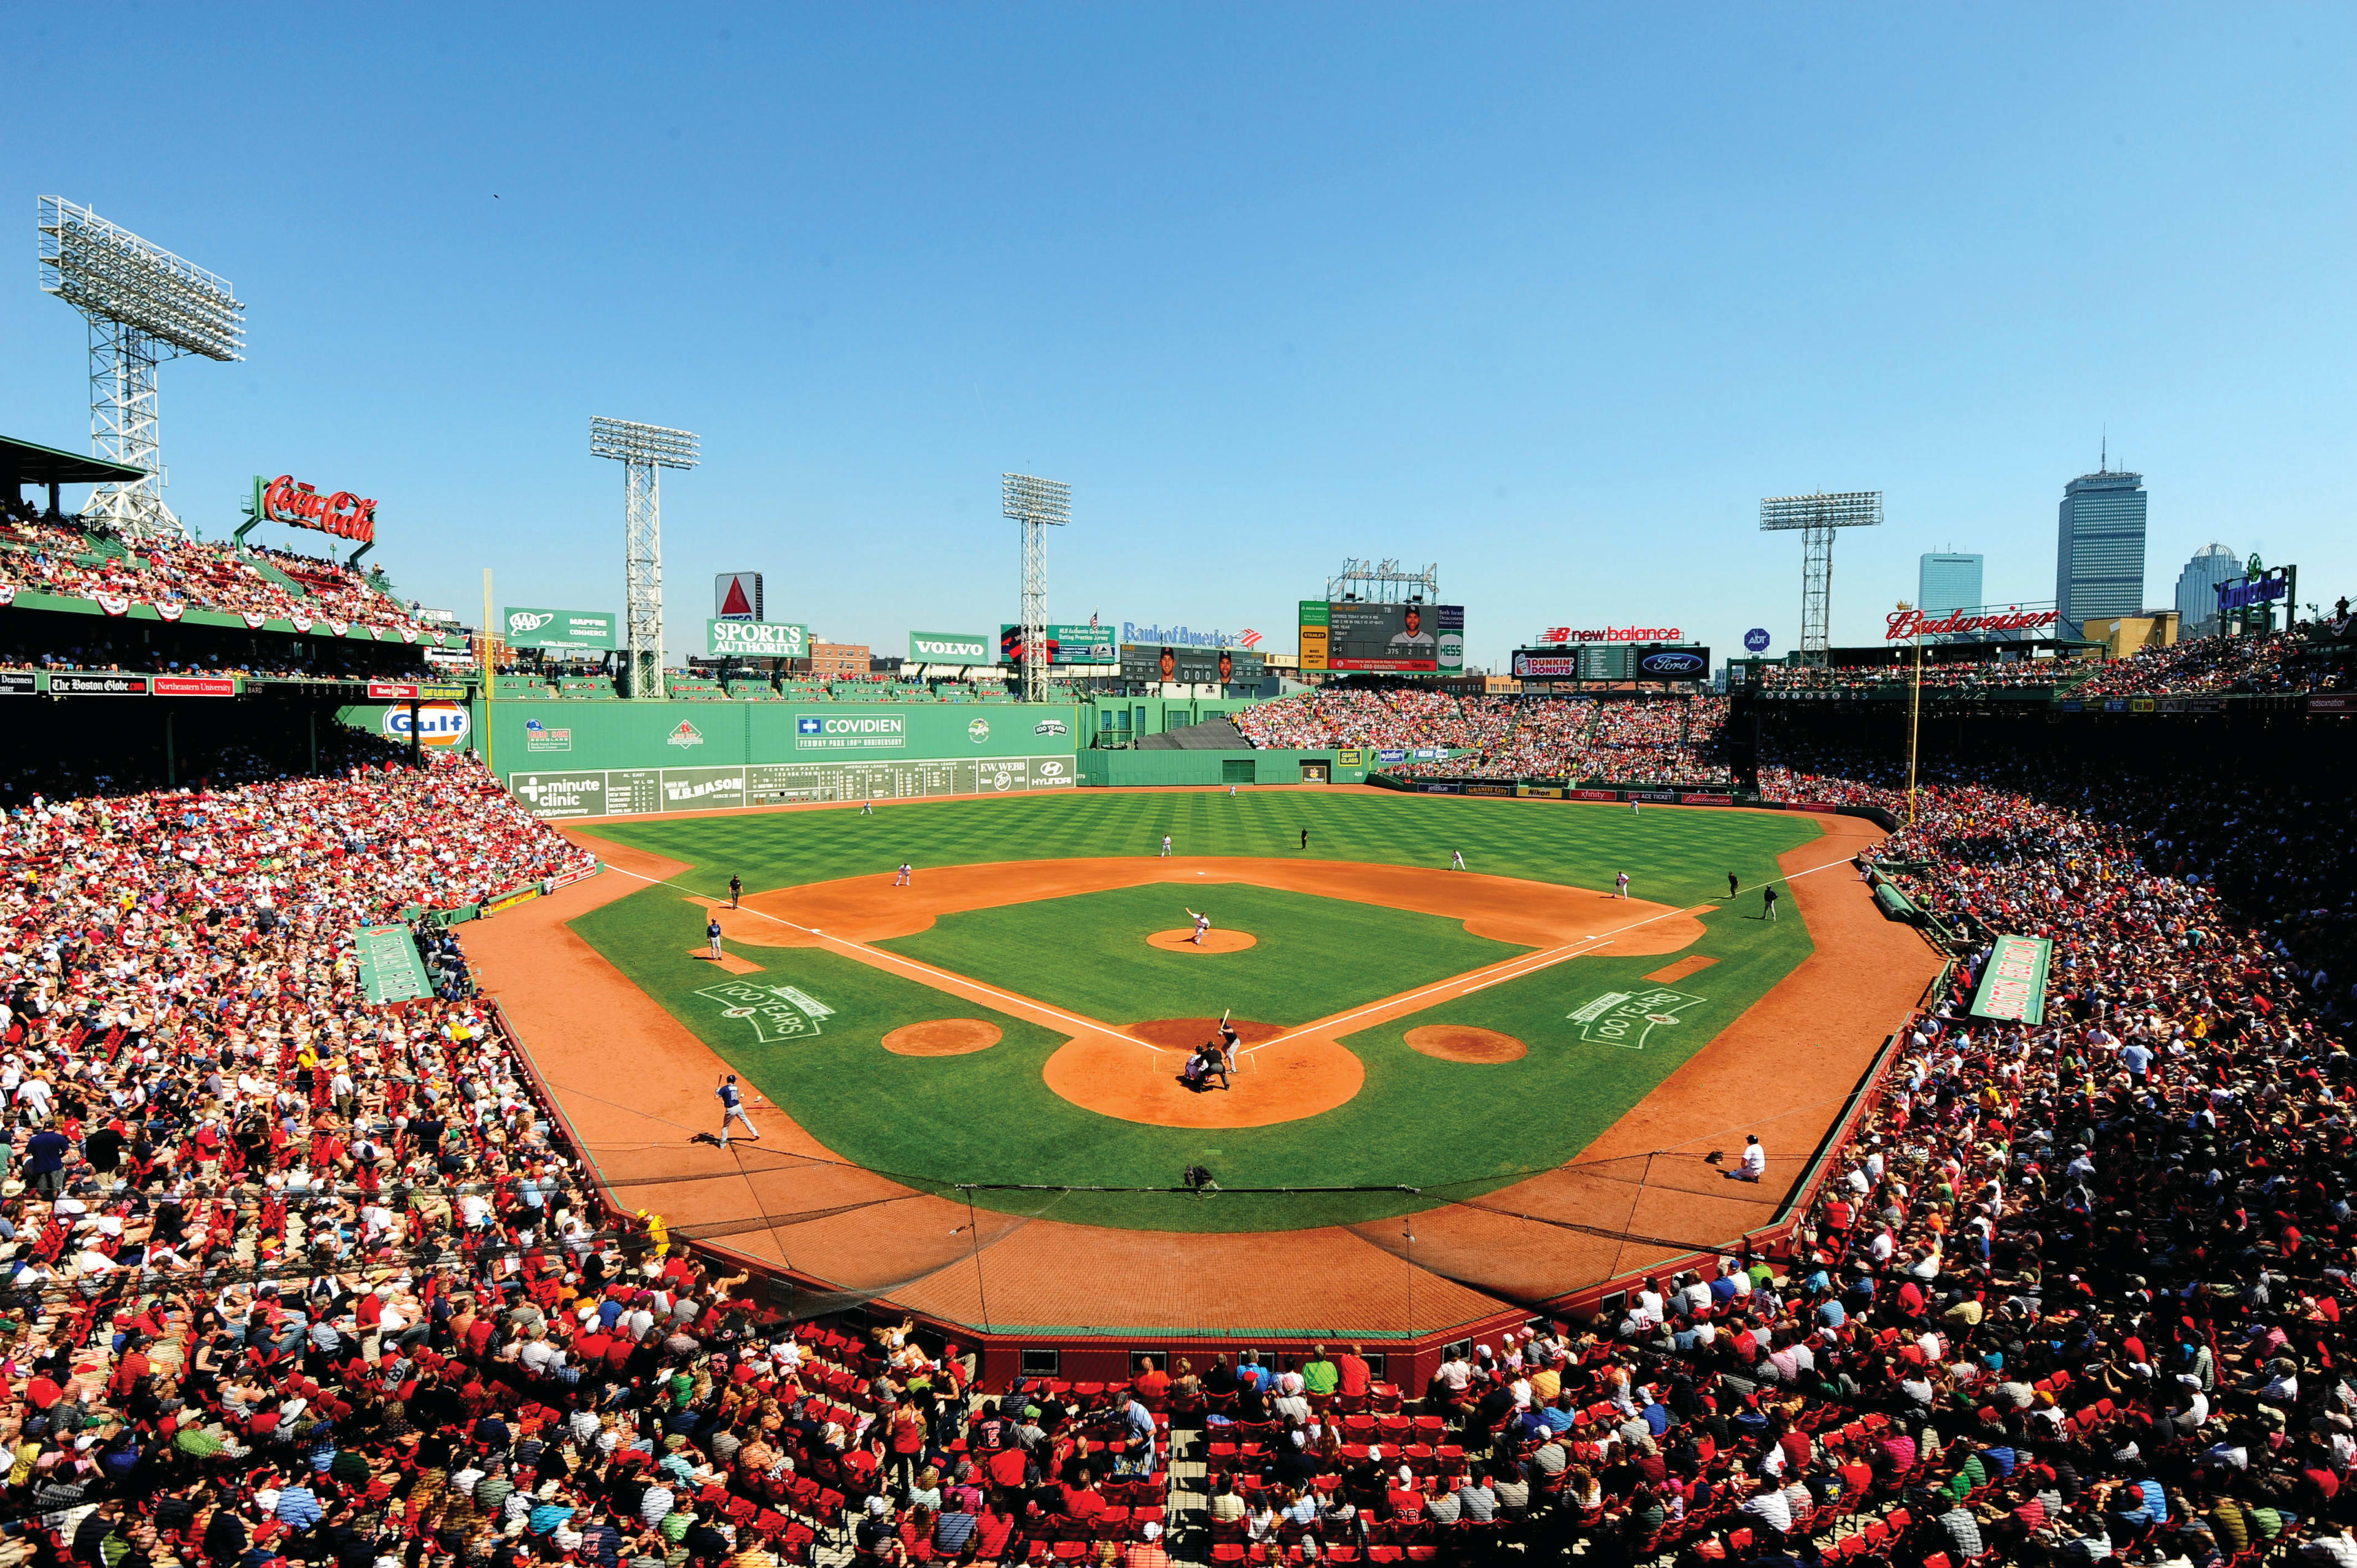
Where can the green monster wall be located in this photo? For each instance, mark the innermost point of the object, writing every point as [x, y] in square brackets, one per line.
[615, 758]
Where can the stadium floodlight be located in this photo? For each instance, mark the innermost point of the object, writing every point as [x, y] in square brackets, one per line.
[143, 305]
[644, 451]
[1817, 516]
[1035, 504]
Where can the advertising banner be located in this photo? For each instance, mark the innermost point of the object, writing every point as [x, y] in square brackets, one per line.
[195, 686]
[2014, 988]
[19, 683]
[1410, 638]
[1549, 666]
[390, 968]
[949, 648]
[342, 514]
[1191, 666]
[1067, 643]
[585, 630]
[736, 596]
[99, 685]
[1539, 791]
[756, 640]
[637, 791]
[1673, 664]
[1705, 800]
[1591, 794]
[439, 724]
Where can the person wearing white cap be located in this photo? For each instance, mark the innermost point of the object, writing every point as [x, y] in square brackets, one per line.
[1147, 1552]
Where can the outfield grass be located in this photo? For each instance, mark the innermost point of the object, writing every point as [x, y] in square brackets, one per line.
[987, 1117]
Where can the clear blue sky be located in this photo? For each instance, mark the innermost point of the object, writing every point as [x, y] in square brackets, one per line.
[1549, 298]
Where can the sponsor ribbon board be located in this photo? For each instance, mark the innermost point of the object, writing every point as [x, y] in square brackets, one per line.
[2014, 987]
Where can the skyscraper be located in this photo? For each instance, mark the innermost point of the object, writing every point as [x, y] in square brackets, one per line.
[1947, 582]
[2196, 589]
[2099, 548]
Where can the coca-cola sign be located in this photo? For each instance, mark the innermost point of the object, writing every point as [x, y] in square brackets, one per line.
[343, 514]
[1904, 625]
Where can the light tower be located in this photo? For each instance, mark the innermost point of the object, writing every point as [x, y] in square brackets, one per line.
[144, 305]
[1034, 504]
[1817, 515]
[644, 451]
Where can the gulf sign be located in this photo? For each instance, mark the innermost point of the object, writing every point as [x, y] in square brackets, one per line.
[438, 724]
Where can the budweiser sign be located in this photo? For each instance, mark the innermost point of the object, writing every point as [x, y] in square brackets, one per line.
[1905, 625]
[343, 514]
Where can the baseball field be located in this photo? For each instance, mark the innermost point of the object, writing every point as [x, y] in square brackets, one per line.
[1011, 1024]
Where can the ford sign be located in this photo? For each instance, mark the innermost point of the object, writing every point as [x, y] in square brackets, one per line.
[1673, 664]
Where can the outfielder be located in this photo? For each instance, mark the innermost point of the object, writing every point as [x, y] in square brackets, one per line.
[1165, 846]
[1456, 859]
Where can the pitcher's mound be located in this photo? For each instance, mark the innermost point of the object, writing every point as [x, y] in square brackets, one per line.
[1214, 940]
[941, 1037]
[1460, 1043]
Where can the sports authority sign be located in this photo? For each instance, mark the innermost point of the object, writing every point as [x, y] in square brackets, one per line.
[736, 596]
[950, 648]
[587, 631]
[343, 514]
[859, 732]
[1624, 1018]
[2014, 987]
[756, 640]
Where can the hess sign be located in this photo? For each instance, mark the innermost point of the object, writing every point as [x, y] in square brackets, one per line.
[343, 514]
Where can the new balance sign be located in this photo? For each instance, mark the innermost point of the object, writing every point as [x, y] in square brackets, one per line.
[950, 648]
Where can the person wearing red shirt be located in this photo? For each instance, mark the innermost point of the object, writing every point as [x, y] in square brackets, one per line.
[1150, 1383]
[1356, 1377]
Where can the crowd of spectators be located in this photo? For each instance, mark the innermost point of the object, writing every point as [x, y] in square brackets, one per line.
[2313, 656]
[1950, 678]
[52, 557]
[293, 1279]
[1634, 739]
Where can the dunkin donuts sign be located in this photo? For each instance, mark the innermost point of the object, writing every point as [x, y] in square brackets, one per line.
[343, 514]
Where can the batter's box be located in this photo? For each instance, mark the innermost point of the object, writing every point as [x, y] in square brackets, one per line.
[1624, 1018]
[778, 1012]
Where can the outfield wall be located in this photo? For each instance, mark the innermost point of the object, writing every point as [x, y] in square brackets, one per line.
[1135, 770]
[623, 759]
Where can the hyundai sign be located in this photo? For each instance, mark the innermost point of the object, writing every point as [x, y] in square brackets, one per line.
[1673, 664]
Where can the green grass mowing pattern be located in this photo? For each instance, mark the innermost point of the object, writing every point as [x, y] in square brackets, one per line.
[987, 1117]
[1312, 957]
[1674, 856]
